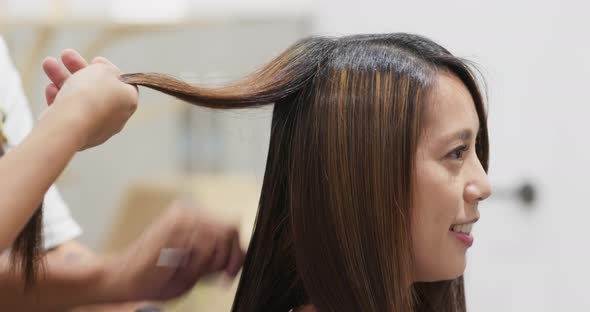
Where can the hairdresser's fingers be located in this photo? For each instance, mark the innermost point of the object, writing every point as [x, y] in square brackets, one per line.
[223, 248]
[202, 255]
[73, 60]
[236, 259]
[100, 59]
[50, 93]
[54, 71]
[133, 87]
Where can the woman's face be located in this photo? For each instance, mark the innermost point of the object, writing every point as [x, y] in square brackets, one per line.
[449, 182]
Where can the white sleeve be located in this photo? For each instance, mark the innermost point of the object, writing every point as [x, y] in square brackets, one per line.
[58, 224]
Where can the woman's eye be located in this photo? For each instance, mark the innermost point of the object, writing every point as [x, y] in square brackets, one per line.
[458, 152]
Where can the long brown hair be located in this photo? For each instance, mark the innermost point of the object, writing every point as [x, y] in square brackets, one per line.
[333, 219]
[26, 254]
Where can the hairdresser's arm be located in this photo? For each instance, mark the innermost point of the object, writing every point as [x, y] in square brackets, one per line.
[29, 169]
[81, 278]
[72, 276]
[92, 105]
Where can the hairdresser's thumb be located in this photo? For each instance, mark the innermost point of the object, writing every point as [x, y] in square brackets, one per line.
[105, 61]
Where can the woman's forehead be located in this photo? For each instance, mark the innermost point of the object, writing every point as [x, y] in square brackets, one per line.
[450, 108]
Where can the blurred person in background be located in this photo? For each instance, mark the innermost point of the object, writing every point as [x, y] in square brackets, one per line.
[67, 274]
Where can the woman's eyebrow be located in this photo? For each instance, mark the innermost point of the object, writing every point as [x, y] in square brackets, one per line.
[461, 135]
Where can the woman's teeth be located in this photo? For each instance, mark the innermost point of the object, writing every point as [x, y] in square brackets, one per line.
[462, 228]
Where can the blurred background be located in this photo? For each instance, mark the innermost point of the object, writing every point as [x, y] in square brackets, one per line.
[531, 251]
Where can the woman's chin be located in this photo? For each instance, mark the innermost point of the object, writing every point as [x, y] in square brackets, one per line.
[452, 272]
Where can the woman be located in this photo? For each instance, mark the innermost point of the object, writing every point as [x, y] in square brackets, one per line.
[377, 162]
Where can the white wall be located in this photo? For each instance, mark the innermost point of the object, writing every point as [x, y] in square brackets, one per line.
[535, 56]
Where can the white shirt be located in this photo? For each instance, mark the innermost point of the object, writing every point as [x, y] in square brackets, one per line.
[58, 224]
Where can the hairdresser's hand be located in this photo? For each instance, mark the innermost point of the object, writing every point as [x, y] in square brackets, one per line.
[145, 272]
[90, 98]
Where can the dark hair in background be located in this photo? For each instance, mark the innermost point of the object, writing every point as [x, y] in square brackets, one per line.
[334, 214]
[27, 250]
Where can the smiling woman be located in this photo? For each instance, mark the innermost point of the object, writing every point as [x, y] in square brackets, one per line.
[377, 161]
[449, 171]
